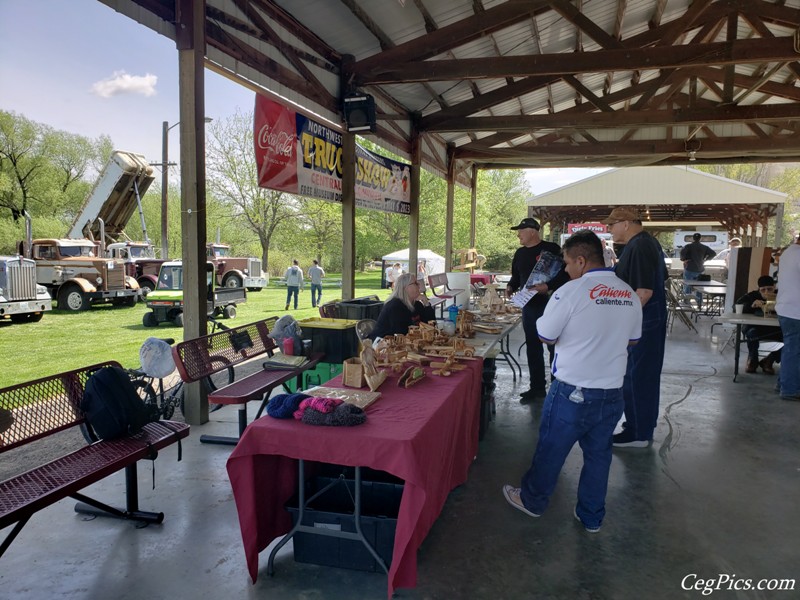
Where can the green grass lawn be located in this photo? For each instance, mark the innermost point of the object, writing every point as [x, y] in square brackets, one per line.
[62, 341]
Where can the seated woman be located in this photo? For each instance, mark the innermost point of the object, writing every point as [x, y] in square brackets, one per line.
[405, 307]
[754, 304]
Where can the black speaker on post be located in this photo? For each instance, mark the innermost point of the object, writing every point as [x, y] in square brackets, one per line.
[359, 113]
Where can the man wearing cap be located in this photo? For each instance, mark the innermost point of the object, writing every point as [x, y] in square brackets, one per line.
[693, 256]
[641, 266]
[521, 266]
[754, 303]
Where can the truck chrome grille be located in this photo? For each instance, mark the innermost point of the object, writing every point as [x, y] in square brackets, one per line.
[254, 267]
[115, 278]
[21, 279]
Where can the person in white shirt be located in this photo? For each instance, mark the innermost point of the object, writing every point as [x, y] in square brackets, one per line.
[592, 319]
[294, 283]
[394, 274]
[315, 274]
[787, 306]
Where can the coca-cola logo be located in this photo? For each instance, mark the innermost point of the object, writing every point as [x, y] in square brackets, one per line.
[279, 142]
[603, 291]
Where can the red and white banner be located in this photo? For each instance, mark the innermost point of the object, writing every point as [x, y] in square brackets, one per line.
[596, 227]
[298, 155]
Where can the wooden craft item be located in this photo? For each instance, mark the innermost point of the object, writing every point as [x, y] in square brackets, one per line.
[411, 376]
[375, 381]
[353, 373]
[360, 398]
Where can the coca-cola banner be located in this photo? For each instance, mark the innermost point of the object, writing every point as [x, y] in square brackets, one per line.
[299, 155]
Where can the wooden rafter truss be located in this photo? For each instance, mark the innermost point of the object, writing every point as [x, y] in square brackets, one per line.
[535, 83]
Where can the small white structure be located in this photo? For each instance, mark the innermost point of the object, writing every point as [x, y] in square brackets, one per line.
[433, 262]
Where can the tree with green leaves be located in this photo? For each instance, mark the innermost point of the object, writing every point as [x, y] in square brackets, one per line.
[233, 180]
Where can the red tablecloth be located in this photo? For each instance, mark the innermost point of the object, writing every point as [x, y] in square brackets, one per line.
[483, 278]
[426, 435]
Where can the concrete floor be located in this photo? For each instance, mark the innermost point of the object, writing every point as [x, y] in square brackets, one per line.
[716, 495]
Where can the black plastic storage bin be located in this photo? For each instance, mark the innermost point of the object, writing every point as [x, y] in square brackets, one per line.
[380, 504]
[368, 307]
[336, 338]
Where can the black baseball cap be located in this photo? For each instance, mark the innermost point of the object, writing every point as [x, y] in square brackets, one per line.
[529, 223]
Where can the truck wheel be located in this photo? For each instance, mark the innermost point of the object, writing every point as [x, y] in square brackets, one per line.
[229, 312]
[178, 319]
[149, 320]
[146, 287]
[232, 281]
[73, 299]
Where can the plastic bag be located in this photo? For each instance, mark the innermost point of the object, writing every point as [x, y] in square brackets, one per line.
[545, 269]
[288, 327]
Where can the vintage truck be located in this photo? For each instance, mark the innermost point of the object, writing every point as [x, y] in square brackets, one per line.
[22, 300]
[166, 301]
[75, 274]
[105, 213]
[233, 272]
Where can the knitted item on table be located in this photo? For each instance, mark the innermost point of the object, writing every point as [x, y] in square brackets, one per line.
[283, 406]
[323, 405]
[345, 415]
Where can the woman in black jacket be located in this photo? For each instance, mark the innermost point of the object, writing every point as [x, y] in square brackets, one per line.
[405, 307]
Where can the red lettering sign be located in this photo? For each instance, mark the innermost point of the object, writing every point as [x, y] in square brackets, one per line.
[275, 140]
[601, 290]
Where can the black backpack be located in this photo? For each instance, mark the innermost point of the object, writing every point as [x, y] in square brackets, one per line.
[112, 406]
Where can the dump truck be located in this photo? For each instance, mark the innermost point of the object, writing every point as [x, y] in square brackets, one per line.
[75, 274]
[22, 299]
[108, 208]
[166, 301]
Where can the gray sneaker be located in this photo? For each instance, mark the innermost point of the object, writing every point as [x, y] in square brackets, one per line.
[513, 498]
[585, 526]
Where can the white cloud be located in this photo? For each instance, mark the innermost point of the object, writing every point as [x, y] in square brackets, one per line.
[122, 83]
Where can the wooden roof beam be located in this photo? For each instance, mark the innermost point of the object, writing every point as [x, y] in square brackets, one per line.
[717, 53]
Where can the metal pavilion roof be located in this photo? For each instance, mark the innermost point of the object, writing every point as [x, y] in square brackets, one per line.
[526, 83]
[663, 197]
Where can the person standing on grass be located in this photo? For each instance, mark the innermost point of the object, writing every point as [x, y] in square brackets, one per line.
[315, 274]
[294, 283]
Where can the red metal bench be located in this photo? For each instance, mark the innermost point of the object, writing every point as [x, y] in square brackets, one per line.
[439, 280]
[38, 409]
[202, 357]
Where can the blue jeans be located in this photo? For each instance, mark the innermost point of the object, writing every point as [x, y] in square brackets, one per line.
[687, 289]
[533, 345]
[290, 291]
[316, 293]
[564, 422]
[789, 374]
[642, 386]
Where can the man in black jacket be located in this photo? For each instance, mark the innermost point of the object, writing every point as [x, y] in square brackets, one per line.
[521, 266]
[754, 305]
[693, 256]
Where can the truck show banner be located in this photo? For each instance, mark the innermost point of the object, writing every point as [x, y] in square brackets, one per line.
[298, 155]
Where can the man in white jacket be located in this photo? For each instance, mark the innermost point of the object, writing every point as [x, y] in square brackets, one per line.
[294, 283]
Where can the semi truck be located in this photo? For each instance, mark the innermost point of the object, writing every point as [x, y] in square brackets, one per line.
[232, 271]
[166, 301]
[22, 299]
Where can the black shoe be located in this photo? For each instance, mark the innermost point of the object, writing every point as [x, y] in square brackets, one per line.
[531, 395]
[625, 439]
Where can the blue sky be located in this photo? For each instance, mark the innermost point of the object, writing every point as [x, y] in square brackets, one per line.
[80, 66]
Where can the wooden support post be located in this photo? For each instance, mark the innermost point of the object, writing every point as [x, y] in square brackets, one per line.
[451, 185]
[348, 216]
[190, 38]
[473, 215]
[416, 162]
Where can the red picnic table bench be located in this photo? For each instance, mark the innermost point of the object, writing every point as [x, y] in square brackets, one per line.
[200, 358]
[44, 407]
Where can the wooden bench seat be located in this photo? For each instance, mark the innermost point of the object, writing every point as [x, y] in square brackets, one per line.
[200, 358]
[49, 405]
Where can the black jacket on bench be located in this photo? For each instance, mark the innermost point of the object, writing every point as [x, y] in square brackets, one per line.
[395, 317]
